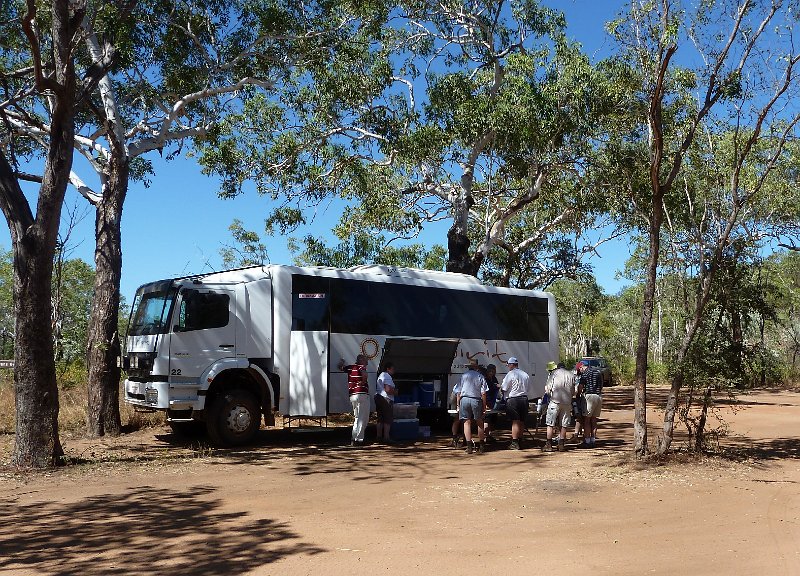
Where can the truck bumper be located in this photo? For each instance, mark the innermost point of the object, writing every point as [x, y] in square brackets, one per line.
[164, 395]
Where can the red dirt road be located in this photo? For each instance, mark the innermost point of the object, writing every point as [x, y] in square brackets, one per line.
[151, 503]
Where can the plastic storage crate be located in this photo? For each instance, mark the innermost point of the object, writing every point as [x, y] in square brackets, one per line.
[404, 411]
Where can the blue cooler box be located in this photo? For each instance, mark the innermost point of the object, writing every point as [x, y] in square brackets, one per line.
[426, 395]
[405, 429]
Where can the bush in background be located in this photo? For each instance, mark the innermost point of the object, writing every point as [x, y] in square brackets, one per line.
[72, 398]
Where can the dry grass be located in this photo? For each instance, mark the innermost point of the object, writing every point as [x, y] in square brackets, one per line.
[72, 400]
[6, 402]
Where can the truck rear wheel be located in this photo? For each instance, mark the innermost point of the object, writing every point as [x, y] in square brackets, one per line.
[234, 418]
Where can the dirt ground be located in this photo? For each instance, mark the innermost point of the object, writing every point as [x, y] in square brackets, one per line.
[302, 503]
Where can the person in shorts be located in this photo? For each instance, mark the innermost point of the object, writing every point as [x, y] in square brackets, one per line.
[472, 406]
[590, 383]
[385, 392]
[515, 390]
[561, 387]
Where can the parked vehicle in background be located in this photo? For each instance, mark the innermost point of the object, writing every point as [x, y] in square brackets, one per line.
[600, 363]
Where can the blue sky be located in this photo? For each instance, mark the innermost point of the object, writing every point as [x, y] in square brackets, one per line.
[178, 225]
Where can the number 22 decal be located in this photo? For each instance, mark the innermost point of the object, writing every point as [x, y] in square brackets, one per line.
[175, 372]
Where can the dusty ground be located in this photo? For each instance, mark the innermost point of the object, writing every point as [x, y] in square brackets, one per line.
[302, 504]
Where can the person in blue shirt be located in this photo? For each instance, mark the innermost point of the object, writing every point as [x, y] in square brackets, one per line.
[472, 406]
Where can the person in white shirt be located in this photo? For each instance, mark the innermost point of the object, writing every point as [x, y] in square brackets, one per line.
[472, 406]
[561, 387]
[515, 390]
[385, 391]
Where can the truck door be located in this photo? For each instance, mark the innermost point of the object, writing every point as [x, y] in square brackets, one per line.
[308, 364]
[203, 330]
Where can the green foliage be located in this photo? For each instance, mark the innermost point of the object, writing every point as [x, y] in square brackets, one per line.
[363, 248]
[71, 374]
[780, 354]
[358, 249]
[73, 285]
[578, 302]
[411, 124]
[247, 250]
[6, 306]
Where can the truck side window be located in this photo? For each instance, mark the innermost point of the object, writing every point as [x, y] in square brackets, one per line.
[202, 310]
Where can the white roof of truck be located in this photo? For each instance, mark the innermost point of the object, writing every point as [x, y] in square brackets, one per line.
[371, 272]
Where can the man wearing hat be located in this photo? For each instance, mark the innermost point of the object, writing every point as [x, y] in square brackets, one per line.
[515, 390]
[560, 386]
[471, 397]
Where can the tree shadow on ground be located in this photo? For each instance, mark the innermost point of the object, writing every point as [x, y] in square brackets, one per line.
[310, 451]
[742, 399]
[742, 448]
[145, 531]
[327, 452]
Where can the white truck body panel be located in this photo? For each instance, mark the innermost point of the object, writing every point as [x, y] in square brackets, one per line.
[259, 336]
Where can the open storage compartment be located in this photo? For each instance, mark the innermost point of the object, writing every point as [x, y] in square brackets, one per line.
[422, 367]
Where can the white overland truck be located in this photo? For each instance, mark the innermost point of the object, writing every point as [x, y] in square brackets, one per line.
[225, 348]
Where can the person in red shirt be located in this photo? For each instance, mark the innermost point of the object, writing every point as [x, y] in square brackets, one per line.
[358, 388]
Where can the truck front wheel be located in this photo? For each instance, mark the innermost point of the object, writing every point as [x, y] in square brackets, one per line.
[234, 418]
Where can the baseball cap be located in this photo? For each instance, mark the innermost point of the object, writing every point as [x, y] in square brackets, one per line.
[551, 365]
[512, 360]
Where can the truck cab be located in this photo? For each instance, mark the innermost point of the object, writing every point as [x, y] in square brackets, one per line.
[194, 350]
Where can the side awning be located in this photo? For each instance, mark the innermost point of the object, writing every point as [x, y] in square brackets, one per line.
[422, 356]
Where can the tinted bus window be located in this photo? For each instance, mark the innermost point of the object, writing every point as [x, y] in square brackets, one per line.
[310, 297]
[362, 307]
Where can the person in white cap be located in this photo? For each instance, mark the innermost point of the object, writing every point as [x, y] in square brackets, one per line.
[515, 390]
[561, 387]
[472, 406]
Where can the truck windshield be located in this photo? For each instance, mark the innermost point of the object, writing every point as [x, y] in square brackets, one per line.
[151, 313]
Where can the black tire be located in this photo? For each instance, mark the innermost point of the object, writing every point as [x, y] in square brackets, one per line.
[233, 418]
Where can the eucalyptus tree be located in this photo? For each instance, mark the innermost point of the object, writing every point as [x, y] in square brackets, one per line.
[577, 302]
[784, 338]
[698, 62]
[743, 191]
[72, 291]
[465, 112]
[169, 73]
[40, 47]
[359, 249]
[362, 249]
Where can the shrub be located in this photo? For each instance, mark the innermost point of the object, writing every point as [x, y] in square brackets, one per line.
[72, 399]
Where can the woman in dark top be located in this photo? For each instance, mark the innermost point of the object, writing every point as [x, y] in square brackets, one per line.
[490, 422]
